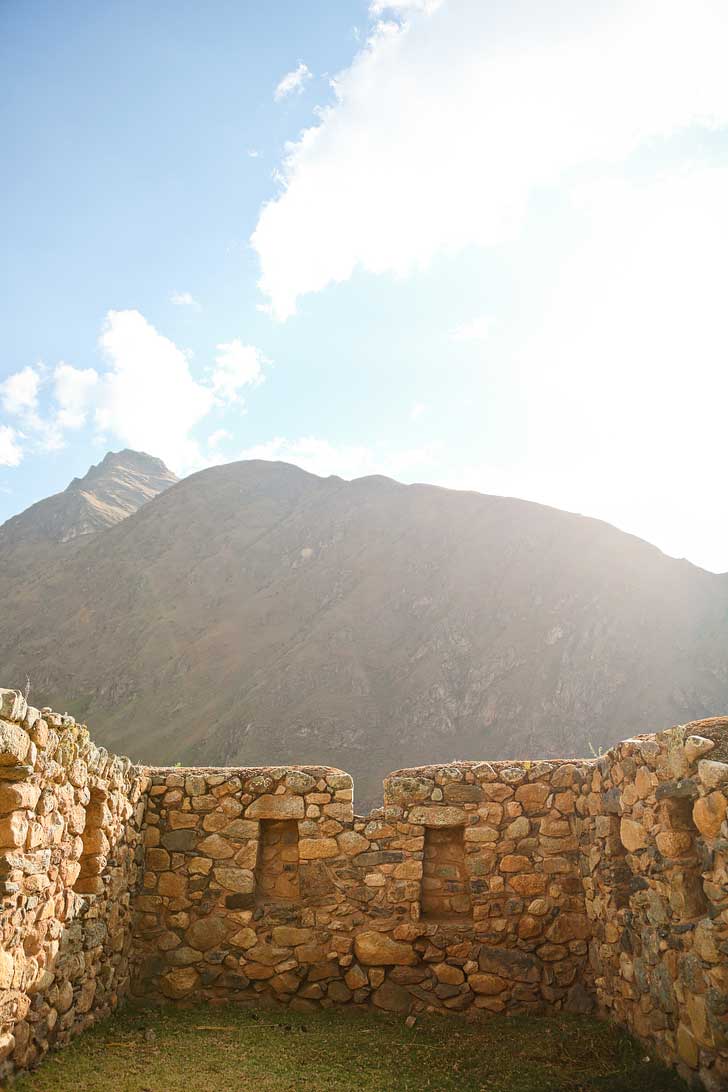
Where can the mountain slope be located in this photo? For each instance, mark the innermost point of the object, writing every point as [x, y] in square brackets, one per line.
[256, 613]
[121, 483]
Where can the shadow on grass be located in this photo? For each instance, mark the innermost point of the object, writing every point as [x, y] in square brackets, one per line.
[234, 1049]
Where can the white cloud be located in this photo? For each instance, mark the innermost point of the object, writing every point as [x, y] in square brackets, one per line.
[236, 366]
[10, 450]
[184, 299]
[402, 7]
[253, 153]
[625, 382]
[321, 457]
[74, 390]
[477, 329]
[218, 437]
[19, 392]
[446, 123]
[148, 398]
[293, 81]
[417, 410]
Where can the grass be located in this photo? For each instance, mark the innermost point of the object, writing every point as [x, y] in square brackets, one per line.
[236, 1049]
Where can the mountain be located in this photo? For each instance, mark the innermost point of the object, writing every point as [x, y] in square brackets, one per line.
[121, 483]
[254, 613]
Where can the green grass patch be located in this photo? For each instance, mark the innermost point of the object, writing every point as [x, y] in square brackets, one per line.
[234, 1049]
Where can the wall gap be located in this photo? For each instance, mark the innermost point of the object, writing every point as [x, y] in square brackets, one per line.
[687, 897]
[445, 878]
[277, 873]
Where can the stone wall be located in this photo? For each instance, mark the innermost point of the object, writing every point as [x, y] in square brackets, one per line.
[262, 883]
[477, 887]
[70, 825]
[654, 851]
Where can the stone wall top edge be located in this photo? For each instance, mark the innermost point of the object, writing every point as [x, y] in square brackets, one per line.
[25, 721]
[495, 764]
[242, 771]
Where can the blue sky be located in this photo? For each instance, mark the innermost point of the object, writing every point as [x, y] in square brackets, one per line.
[490, 255]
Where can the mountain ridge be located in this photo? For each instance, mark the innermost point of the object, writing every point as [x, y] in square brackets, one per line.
[255, 613]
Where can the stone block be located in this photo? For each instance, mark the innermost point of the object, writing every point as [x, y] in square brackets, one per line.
[392, 998]
[437, 815]
[240, 880]
[208, 932]
[709, 812]
[276, 807]
[712, 774]
[377, 949]
[487, 983]
[17, 795]
[13, 830]
[633, 835]
[311, 849]
[179, 982]
[14, 744]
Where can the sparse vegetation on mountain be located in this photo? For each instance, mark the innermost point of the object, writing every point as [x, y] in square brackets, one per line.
[254, 611]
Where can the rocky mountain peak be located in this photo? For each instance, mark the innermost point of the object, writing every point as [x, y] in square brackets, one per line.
[109, 492]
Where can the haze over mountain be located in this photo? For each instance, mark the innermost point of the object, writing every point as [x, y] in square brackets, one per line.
[255, 613]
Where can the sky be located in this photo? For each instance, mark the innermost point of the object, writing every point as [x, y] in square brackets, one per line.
[479, 243]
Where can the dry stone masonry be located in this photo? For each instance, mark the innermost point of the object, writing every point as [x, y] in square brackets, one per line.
[479, 887]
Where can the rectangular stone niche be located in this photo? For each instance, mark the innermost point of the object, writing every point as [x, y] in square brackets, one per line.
[276, 873]
[445, 887]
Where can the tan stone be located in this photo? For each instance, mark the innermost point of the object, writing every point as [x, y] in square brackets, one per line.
[200, 866]
[311, 849]
[437, 815]
[276, 807]
[350, 843]
[633, 835]
[258, 971]
[712, 774]
[532, 796]
[172, 884]
[555, 828]
[215, 846]
[14, 743]
[519, 828]
[244, 938]
[709, 812]
[182, 820]
[13, 829]
[452, 976]
[378, 949]
[528, 927]
[7, 970]
[19, 794]
[205, 933]
[481, 834]
[392, 998]
[96, 841]
[687, 1047]
[486, 983]
[674, 843]
[288, 936]
[157, 859]
[697, 746]
[355, 978]
[513, 862]
[179, 982]
[247, 855]
[528, 883]
[569, 926]
[240, 880]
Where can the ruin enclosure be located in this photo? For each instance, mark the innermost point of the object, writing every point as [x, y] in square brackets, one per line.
[479, 887]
